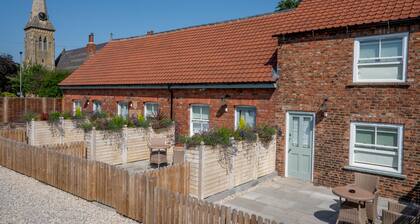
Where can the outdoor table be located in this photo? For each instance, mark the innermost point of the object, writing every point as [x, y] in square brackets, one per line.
[355, 194]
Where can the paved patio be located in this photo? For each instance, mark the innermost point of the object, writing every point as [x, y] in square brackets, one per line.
[289, 201]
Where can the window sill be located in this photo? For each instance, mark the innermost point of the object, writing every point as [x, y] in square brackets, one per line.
[379, 84]
[375, 172]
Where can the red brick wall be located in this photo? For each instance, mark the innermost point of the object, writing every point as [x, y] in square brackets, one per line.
[182, 99]
[316, 68]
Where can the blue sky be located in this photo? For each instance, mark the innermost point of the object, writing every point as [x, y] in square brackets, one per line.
[75, 19]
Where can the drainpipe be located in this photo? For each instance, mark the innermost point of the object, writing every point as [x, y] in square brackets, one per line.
[171, 101]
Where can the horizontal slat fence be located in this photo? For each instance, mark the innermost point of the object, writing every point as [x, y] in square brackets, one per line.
[18, 135]
[76, 149]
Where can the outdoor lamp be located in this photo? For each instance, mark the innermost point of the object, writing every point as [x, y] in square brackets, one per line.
[324, 107]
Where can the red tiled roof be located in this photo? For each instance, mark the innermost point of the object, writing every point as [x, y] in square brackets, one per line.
[237, 51]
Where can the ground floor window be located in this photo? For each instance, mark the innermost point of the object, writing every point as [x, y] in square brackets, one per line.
[97, 106]
[77, 107]
[150, 109]
[123, 109]
[245, 117]
[376, 146]
[200, 119]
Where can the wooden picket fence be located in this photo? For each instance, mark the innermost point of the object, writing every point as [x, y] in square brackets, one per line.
[14, 134]
[76, 149]
[172, 207]
[159, 196]
[92, 180]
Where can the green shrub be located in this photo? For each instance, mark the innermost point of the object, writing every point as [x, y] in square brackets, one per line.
[86, 126]
[98, 115]
[246, 134]
[54, 117]
[66, 115]
[266, 133]
[116, 123]
[78, 114]
[142, 122]
[160, 121]
[29, 116]
[7, 94]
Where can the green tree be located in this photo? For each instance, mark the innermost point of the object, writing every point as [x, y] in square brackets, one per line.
[287, 4]
[39, 81]
[8, 68]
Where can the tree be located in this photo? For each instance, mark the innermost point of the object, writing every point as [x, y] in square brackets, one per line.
[287, 4]
[8, 68]
[39, 81]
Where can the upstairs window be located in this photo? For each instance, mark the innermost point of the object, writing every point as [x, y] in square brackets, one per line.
[123, 109]
[200, 119]
[380, 58]
[150, 110]
[245, 116]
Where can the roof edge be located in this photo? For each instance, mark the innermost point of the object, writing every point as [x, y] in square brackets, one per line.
[206, 24]
[257, 85]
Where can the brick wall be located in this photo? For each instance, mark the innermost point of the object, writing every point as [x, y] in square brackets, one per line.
[182, 99]
[313, 68]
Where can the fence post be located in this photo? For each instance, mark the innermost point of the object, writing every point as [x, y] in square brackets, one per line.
[5, 109]
[149, 215]
[44, 105]
[62, 130]
[255, 161]
[231, 164]
[93, 144]
[31, 132]
[124, 144]
[201, 171]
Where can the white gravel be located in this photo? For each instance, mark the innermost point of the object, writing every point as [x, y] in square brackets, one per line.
[25, 200]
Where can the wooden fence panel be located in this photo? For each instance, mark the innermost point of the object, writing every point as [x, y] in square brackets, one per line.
[14, 134]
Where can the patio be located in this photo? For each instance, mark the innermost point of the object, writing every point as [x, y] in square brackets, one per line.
[289, 201]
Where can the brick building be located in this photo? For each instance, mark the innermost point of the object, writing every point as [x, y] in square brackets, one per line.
[339, 80]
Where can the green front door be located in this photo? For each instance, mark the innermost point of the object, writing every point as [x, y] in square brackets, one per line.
[300, 146]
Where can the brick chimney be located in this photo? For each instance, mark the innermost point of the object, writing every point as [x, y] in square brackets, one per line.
[151, 32]
[91, 46]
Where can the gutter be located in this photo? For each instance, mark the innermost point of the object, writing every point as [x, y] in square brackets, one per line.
[268, 85]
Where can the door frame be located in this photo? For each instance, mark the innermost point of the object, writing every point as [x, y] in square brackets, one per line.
[286, 151]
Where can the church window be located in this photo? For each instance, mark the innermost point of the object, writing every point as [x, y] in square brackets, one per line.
[45, 44]
[40, 43]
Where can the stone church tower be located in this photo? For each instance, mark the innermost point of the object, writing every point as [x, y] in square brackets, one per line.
[39, 37]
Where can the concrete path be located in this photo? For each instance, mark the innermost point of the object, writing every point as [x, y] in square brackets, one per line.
[25, 200]
[288, 201]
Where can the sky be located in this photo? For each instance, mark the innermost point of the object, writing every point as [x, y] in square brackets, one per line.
[75, 19]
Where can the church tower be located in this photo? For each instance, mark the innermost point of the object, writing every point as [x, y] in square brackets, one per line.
[39, 37]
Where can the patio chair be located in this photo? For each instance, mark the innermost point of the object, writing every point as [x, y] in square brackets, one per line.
[399, 213]
[179, 153]
[351, 212]
[369, 183]
[158, 151]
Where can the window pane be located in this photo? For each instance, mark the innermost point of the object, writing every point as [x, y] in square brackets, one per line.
[391, 48]
[369, 49]
[380, 72]
[295, 134]
[365, 135]
[306, 132]
[205, 113]
[387, 136]
[196, 112]
[373, 158]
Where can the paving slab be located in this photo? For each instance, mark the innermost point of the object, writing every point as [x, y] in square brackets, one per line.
[289, 201]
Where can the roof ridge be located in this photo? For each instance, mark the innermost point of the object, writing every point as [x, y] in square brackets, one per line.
[204, 25]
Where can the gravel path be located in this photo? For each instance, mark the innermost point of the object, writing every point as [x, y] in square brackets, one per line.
[25, 200]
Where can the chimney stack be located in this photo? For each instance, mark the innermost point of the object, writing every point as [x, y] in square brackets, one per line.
[149, 33]
[91, 46]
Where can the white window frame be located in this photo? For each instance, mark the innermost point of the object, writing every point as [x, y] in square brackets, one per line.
[237, 114]
[95, 106]
[145, 108]
[380, 37]
[119, 108]
[374, 167]
[75, 107]
[191, 116]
